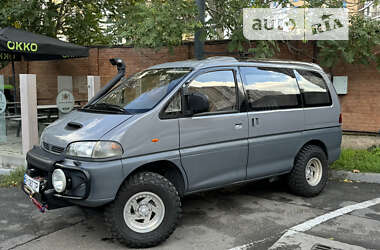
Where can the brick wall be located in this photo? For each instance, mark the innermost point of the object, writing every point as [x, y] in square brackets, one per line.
[360, 107]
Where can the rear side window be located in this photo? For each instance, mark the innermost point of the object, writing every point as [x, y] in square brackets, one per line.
[313, 88]
[270, 88]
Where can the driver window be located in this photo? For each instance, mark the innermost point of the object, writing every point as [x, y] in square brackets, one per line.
[218, 87]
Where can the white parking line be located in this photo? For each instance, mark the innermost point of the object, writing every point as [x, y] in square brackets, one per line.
[309, 224]
[306, 241]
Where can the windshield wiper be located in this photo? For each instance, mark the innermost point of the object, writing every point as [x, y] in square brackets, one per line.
[107, 107]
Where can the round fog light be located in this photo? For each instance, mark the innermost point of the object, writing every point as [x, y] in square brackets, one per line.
[59, 180]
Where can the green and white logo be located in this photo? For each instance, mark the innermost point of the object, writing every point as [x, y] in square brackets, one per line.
[65, 101]
[3, 102]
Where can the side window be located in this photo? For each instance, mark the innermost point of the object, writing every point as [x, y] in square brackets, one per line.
[218, 87]
[270, 88]
[314, 89]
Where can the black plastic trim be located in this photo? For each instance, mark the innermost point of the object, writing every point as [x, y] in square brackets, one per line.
[87, 181]
[45, 161]
[42, 159]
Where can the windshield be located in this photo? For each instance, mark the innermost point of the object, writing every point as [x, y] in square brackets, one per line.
[142, 91]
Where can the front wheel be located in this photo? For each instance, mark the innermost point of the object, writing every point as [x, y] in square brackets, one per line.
[145, 211]
[310, 172]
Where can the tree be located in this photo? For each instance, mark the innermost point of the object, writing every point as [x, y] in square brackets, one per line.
[227, 17]
[364, 33]
[152, 24]
[159, 23]
[78, 21]
[364, 40]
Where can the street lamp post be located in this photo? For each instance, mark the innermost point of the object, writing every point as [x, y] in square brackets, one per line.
[198, 38]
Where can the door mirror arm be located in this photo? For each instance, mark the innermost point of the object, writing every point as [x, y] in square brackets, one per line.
[186, 110]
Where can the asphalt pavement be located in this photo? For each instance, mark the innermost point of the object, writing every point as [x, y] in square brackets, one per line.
[253, 216]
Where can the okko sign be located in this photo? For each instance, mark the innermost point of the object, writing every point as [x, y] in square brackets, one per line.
[295, 24]
[22, 46]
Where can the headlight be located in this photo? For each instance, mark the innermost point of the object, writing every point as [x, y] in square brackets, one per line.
[81, 149]
[59, 180]
[95, 149]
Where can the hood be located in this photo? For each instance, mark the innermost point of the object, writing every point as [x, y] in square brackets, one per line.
[78, 126]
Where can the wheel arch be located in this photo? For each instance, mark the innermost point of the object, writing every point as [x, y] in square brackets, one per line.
[166, 168]
[318, 143]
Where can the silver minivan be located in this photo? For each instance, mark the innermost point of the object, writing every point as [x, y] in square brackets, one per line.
[177, 128]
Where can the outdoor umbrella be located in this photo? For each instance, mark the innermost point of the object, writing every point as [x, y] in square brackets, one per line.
[16, 44]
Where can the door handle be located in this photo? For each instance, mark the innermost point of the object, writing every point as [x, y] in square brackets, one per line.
[255, 121]
[238, 125]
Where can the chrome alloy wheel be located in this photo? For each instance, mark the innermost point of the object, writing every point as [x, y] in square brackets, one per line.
[313, 171]
[144, 212]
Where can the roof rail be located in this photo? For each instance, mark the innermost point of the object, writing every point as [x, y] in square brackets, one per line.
[284, 61]
[221, 58]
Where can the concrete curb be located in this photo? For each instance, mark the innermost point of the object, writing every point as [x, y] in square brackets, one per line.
[5, 171]
[362, 177]
[10, 160]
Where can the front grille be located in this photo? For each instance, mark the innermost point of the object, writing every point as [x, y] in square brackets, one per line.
[46, 146]
[56, 149]
[52, 148]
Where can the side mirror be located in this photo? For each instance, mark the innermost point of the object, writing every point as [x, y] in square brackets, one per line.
[194, 103]
[198, 103]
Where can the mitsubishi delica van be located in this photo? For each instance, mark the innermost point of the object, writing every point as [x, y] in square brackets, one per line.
[177, 128]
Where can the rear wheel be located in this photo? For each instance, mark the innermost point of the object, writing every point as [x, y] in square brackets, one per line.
[145, 211]
[310, 172]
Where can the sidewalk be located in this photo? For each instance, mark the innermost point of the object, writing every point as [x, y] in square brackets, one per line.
[359, 177]
[11, 152]
[13, 145]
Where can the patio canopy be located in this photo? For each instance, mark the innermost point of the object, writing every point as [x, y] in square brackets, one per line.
[15, 43]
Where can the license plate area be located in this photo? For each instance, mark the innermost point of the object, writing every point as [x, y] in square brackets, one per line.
[31, 183]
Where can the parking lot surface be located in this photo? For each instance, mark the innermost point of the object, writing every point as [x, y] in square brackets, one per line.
[260, 215]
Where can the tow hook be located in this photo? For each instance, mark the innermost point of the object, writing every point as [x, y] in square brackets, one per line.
[41, 207]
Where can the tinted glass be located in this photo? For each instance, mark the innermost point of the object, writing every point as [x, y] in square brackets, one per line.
[313, 88]
[270, 88]
[144, 90]
[219, 88]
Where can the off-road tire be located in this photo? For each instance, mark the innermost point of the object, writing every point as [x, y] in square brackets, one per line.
[297, 181]
[144, 182]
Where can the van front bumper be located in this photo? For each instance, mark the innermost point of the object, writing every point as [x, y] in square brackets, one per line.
[89, 183]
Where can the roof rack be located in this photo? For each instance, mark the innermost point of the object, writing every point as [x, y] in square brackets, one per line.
[221, 58]
[284, 61]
